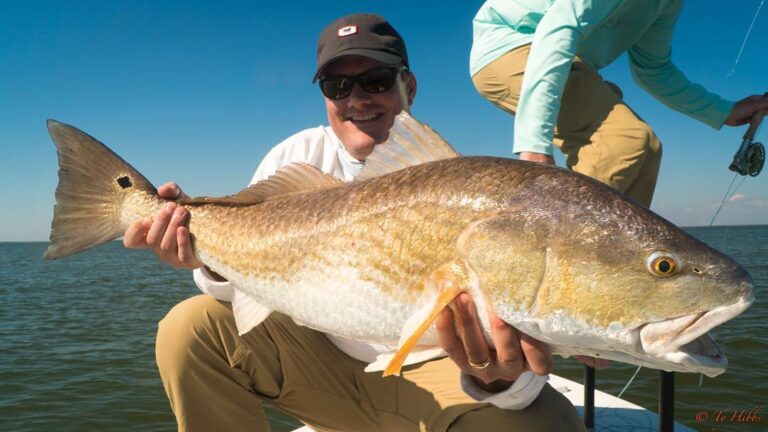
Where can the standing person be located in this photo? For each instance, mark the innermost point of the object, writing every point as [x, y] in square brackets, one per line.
[221, 354]
[539, 60]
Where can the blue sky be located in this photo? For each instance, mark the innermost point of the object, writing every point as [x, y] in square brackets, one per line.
[198, 91]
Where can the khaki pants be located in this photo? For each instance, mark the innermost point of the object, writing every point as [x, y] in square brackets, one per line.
[216, 381]
[599, 134]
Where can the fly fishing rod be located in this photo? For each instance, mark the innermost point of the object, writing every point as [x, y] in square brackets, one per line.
[748, 160]
[750, 157]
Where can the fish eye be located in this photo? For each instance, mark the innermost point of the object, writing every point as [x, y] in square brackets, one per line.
[662, 264]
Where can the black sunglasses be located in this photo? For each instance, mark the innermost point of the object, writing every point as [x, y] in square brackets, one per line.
[375, 80]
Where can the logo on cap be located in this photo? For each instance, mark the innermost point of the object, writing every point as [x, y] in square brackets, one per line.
[347, 31]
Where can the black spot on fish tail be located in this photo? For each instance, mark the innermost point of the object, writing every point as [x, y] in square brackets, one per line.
[94, 183]
[124, 182]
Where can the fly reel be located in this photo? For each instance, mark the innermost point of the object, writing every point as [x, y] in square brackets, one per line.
[750, 158]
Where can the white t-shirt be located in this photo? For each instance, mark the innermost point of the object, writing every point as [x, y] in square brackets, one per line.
[323, 149]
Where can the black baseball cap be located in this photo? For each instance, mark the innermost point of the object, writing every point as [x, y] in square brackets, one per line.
[362, 35]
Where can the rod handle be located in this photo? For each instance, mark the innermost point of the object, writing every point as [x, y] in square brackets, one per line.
[757, 118]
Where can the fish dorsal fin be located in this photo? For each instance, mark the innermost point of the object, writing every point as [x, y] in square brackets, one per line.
[410, 143]
[294, 177]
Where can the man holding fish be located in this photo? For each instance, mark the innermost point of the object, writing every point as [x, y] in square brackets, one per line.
[560, 256]
[221, 355]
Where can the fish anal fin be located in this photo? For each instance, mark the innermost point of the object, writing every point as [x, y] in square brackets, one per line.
[447, 282]
[292, 178]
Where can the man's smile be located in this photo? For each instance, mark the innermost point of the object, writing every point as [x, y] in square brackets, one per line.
[364, 118]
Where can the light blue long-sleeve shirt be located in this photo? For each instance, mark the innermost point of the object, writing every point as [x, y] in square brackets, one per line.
[598, 31]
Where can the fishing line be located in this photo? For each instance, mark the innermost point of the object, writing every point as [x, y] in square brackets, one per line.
[744, 43]
[725, 198]
[636, 427]
[628, 420]
[626, 386]
[621, 393]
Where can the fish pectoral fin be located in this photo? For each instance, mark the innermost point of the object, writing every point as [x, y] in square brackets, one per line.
[410, 143]
[446, 283]
[292, 178]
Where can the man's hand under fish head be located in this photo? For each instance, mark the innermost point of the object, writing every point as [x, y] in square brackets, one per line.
[514, 352]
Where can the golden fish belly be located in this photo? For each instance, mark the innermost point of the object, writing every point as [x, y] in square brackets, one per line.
[351, 270]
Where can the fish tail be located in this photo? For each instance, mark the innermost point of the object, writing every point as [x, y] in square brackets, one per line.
[94, 184]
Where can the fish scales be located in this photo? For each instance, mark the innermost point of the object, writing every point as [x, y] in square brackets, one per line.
[389, 243]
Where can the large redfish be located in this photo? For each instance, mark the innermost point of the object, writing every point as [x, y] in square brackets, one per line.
[554, 253]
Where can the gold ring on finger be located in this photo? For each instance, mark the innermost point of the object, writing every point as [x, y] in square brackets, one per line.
[481, 365]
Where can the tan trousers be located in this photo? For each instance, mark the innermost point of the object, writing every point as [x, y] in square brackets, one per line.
[217, 380]
[599, 134]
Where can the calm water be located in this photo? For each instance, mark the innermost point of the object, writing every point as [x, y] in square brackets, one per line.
[77, 342]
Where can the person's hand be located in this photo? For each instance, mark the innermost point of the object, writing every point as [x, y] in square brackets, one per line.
[537, 157]
[744, 109]
[166, 234]
[493, 370]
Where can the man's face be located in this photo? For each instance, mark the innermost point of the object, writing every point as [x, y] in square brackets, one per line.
[362, 120]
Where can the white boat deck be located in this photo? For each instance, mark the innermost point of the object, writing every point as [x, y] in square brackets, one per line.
[611, 413]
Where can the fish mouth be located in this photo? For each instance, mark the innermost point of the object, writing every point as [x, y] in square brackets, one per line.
[684, 340]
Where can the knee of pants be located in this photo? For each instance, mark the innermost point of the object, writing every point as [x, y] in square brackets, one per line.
[551, 411]
[654, 146]
[641, 140]
[496, 92]
[187, 328]
[651, 153]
